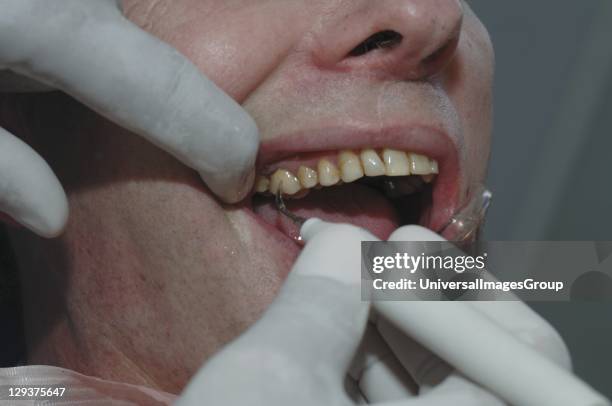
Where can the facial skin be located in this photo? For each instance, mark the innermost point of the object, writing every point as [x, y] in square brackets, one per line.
[153, 274]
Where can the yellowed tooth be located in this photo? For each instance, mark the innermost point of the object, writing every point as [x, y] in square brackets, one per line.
[328, 173]
[350, 166]
[308, 177]
[396, 163]
[428, 178]
[434, 166]
[419, 164]
[299, 195]
[288, 183]
[372, 164]
[262, 184]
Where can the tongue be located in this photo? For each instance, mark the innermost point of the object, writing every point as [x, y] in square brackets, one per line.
[353, 203]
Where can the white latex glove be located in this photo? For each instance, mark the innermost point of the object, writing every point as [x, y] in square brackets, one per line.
[87, 49]
[503, 346]
[300, 351]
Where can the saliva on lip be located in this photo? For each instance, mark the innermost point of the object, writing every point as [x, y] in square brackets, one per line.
[297, 237]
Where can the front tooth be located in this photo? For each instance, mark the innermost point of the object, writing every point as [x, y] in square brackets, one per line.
[262, 184]
[419, 164]
[396, 163]
[308, 177]
[372, 164]
[328, 173]
[434, 167]
[299, 195]
[288, 183]
[350, 166]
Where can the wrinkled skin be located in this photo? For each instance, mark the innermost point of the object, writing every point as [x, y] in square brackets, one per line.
[153, 274]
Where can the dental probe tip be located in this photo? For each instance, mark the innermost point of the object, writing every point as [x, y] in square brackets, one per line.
[280, 205]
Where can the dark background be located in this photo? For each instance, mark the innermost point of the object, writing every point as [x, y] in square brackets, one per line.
[551, 163]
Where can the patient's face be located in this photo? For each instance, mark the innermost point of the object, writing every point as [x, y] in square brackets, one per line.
[156, 274]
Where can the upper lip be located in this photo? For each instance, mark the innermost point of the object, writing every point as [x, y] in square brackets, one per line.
[421, 139]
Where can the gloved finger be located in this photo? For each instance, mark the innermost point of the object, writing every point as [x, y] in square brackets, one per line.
[519, 320]
[89, 50]
[380, 376]
[490, 362]
[454, 390]
[509, 312]
[426, 368]
[448, 330]
[29, 191]
[306, 338]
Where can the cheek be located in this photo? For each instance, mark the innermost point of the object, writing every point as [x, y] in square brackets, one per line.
[236, 44]
[470, 86]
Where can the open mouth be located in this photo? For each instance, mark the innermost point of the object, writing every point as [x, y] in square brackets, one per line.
[378, 189]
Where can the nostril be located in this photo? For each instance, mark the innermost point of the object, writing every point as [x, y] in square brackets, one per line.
[381, 40]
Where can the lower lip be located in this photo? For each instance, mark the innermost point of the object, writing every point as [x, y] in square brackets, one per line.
[285, 244]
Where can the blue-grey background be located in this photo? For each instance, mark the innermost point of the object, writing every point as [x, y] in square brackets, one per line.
[552, 148]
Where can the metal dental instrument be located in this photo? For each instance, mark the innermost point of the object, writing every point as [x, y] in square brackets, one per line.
[280, 205]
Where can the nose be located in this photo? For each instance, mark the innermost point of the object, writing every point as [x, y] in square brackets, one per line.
[407, 39]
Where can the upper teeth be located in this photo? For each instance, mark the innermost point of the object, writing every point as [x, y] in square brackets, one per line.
[351, 167]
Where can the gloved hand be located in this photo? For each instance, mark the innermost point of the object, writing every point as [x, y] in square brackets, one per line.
[303, 350]
[391, 349]
[87, 49]
[300, 351]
